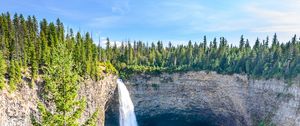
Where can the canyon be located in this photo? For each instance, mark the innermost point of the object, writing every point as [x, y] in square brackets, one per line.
[189, 98]
[208, 98]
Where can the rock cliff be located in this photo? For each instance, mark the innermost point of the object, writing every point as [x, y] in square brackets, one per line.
[214, 99]
[191, 97]
[17, 108]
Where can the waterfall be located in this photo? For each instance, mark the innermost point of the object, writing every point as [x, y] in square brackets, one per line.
[126, 109]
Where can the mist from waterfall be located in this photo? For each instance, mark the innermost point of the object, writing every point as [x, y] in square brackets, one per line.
[126, 109]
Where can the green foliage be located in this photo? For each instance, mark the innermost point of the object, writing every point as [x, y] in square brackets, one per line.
[264, 123]
[133, 69]
[34, 72]
[32, 46]
[107, 67]
[155, 86]
[2, 71]
[61, 87]
[27, 44]
[92, 121]
[260, 61]
[14, 74]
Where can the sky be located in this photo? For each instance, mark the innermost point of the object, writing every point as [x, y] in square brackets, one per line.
[168, 20]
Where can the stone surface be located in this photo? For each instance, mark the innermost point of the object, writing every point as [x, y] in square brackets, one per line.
[228, 100]
[17, 107]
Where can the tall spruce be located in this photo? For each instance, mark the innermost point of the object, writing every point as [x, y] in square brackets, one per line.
[61, 87]
[2, 71]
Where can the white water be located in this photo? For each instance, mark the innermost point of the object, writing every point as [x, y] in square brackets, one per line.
[126, 109]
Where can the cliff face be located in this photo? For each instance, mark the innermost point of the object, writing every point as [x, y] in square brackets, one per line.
[17, 108]
[214, 99]
[192, 97]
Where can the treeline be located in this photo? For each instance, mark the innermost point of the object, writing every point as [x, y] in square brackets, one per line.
[26, 46]
[266, 59]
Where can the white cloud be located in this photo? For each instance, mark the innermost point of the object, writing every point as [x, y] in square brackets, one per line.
[268, 16]
[120, 7]
[190, 17]
[187, 18]
[268, 19]
[105, 21]
[103, 42]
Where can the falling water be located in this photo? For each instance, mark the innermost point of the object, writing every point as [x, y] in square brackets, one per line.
[126, 109]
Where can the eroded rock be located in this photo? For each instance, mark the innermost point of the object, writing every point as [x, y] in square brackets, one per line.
[228, 100]
[16, 108]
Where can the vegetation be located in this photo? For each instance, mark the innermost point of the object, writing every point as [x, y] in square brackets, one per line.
[61, 86]
[44, 50]
[14, 74]
[25, 43]
[263, 60]
[264, 123]
[2, 71]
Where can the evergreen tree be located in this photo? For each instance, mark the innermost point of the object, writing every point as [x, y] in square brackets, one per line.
[14, 74]
[61, 86]
[2, 71]
[189, 53]
[108, 49]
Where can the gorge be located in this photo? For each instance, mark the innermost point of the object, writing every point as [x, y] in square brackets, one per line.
[200, 98]
[190, 98]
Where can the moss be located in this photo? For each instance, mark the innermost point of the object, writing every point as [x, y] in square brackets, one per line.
[285, 95]
[166, 80]
[265, 123]
[155, 86]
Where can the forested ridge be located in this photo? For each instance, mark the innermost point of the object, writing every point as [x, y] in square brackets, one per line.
[44, 51]
[27, 44]
[267, 58]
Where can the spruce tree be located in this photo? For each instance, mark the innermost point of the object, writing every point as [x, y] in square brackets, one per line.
[2, 71]
[108, 49]
[61, 87]
[14, 74]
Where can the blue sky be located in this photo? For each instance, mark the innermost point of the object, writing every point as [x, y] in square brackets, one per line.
[168, 20]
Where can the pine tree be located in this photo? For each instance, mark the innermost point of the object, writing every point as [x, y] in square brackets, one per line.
[2, 71]
[45, 60]
[60, 30]
[14, 74]
[108, 49]
[24, 42]
[204, 42]
[189, 53]
[61, 86]
[34, 70]
[152, 55]
[242, 42]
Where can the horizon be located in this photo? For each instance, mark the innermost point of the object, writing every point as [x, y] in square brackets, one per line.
[174, 21]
